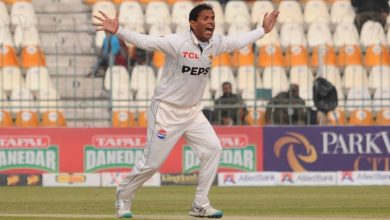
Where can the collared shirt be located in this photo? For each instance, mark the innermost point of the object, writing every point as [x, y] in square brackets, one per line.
[187, 67]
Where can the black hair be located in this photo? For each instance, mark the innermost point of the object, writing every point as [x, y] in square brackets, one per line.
[227, 83]
[194, 14]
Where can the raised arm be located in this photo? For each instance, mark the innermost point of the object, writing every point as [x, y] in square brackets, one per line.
[231, 43]
[146, 42]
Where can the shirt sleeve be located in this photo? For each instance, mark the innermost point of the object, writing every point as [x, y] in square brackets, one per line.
[146, 42]
[230, 43]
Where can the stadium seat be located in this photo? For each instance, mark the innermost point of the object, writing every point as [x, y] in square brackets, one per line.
[259, 8]
[381, 99]
[5, 115]
[255, 116]
[8, 56]
[23, 14]
[158, 59]
[180, 12]
[50, 108]
[157, 12]
[345, 34]
[218, 11]
[336, 117]
[207, 99]
[270, 55]
[358, 98]
[297, 56]
[290, 12]
[248, 80]
[26, 36]
[372, 33]
[122, 113]
[23, 106]
[38, 78]
[116, 77]
[5, 36]
[361, 117]
[131, 14]
[328, 56]
[220, 75]
[222, 59]
[236, 12]
[99, 39]
[316, 11]
[105, 6]
[292, 34]
[159, 30]
[332, 74]
[238, 28]
[4, 16]
[302, 76]
[243, 57]
[376, 55]
[275, 78]
[349, 55]
[272, 38]
[383, 117]
[379, 77]
[142, 119]
[355, 76]
[142, 83]
[342, 11]
[32, 56]
[319, 35]
[11, 78]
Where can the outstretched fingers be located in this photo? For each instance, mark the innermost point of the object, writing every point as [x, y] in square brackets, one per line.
[98, 18]
[104, 15]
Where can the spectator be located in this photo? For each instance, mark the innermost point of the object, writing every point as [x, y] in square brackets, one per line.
[104, 57]
[122, 58]
[375, 10]
[230, 108]
[286, 108]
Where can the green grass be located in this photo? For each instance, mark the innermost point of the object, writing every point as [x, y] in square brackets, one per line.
[364, 202]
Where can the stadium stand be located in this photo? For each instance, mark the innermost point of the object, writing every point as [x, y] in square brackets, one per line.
[48, 49]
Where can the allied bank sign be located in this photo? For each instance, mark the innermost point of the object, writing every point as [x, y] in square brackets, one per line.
[326, 148]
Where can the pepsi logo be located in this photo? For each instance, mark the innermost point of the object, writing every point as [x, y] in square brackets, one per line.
[162, 134]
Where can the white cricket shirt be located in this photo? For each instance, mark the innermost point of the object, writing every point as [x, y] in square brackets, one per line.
[187, 67]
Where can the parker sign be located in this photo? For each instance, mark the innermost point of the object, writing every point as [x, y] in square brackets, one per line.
[28, 152]
[326, 148]
[107, 152]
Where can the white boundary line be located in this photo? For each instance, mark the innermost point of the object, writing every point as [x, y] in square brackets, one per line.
[176, 217]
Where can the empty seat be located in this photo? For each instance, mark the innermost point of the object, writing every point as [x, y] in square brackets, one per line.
[131, 15]
[319, 35]
[248, 80]
[349, 55]
[4, 16]
[180, 12]
[297, 55]
[381, 104]
[355, 76]
[372, 33]
[99, 39]
[325, 53]
[243, 57]
[11, 79]
[24, 107]
[272, 38]
[116, 77]
[207, 98]
[5, 115]
[358, 98]
[302, 76]
[142, 83]
[32, 56]
[316, 11]
[275, 78]
[50, 107]
[37, 78]
[157, 13]
[238, 28]
[376, 55]
[270, 55]
[290, 12]
[292, 34]
[259, 9]
[379, 77]
[342, 11]
[106, 7]
[220, 75]
[236, 12]
[24, 36]
[23, 14]
[222, 59]
[122, 114]
[8, 56]
[336, 117]
[5, 36]
[345, 34]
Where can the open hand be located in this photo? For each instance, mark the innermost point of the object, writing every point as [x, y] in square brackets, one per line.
[269, 21]
[107, 24]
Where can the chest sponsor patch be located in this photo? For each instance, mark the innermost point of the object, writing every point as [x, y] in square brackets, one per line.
[161, 134]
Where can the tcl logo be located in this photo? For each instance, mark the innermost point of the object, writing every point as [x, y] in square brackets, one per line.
[195, 70]
[191, 55]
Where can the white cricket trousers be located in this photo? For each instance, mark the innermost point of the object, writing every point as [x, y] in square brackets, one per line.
[176, 121]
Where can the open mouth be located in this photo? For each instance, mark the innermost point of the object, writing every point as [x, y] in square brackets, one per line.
[209, 30]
